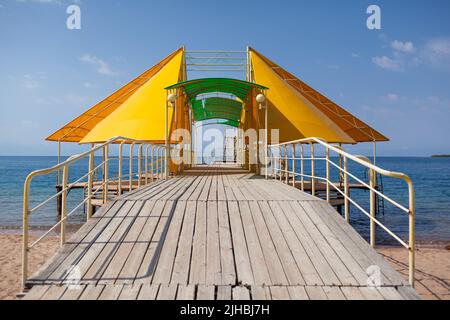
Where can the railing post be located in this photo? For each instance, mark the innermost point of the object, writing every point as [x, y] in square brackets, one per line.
[346, 192]
[302, 167]
[372, 209]
[286, 163]
[280, 172]
[105, 174]
[25, 238]
[293, 164]
[146, 163]
[140, 165]
[131, 167]
[313, 171]
[119, 186]
[65, 183]
[412, 231]
[90, 185]
[328, 174]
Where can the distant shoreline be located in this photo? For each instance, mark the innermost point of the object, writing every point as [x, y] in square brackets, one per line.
[441, 156]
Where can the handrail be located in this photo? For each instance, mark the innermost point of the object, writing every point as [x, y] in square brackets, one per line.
[101, 188]
[280, 164]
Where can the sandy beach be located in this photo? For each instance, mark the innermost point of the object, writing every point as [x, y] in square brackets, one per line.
[432, 274]
[11, 261]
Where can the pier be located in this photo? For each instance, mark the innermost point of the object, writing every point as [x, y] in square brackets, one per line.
[217, 232]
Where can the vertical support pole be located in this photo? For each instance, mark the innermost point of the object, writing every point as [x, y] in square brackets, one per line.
[313, 171]
[131, 167]
[346, 191]
[58, 173]
[25, 238]
[372, 209]
[327, 161]
[412, 223]
[105, 174]
[167, 151]
[293, 164]
[302, 167]
[266, 126]
[119, 186]
[280, 161]
[65, 183]
[90, 186]
[140, 165]
[146, 164]
[286, 163]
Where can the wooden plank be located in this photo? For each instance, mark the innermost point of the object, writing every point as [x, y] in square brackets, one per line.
[298, 293]
[186, 292]
[224, 293]
[289, 265]
[37, 292]
[308, 271]
[257, 260]
[92, 292]
[73, 293]
[261, 293]
[213, 268]
[111, 292]
[390, 293]
[205, 292]
[163, 272]
[198, 261]
[129, 292]
[334, 293]
[242, 259]
[279, 293]
[370, 293]
[241, 293]
[148, 292]
[316, 293]
[408, 293]
[352, 293]
[358, 273]
[226, 246]
[167, 292]
[180, 273]
[54, 293]
[273, 263]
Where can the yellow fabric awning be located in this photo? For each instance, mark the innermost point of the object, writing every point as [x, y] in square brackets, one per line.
[78, 128]
[311, 114]
[292, 113]
[141, 116]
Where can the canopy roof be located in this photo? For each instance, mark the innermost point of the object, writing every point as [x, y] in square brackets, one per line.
[239, 88]
[301, 110]
[142, 115]
[217, 108]
[78, 128]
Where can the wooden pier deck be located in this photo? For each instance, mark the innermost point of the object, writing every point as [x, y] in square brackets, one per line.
[216, 233]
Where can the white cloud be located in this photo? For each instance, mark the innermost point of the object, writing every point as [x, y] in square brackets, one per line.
[42, 1]
[355, 55]
[405, 47]
[437, 52]
[29, 81]
[388, 63]
[101, 66]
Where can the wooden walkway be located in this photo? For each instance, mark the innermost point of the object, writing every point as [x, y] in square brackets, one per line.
[216, 233]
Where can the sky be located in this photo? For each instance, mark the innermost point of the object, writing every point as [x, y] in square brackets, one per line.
[397, 79]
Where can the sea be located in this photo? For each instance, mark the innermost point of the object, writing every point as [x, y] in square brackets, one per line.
[431, 178]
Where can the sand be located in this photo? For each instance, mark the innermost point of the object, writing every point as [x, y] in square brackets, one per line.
[11, 261]
[432, 269]
[432, 274]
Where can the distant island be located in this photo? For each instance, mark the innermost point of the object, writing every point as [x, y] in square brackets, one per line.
[441, 156]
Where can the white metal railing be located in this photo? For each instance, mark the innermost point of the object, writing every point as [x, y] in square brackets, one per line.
[154, 165]
[281, 160]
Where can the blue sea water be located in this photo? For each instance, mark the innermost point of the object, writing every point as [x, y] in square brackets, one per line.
[431, 177]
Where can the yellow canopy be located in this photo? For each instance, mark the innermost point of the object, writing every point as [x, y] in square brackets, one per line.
[77, 129]
[289, 111]
[301, 111]
[142, 115]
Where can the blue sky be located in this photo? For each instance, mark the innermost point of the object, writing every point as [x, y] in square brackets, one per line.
[397, 78]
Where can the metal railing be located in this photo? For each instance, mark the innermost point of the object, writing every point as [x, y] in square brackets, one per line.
[151, 170]
[281, 161]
